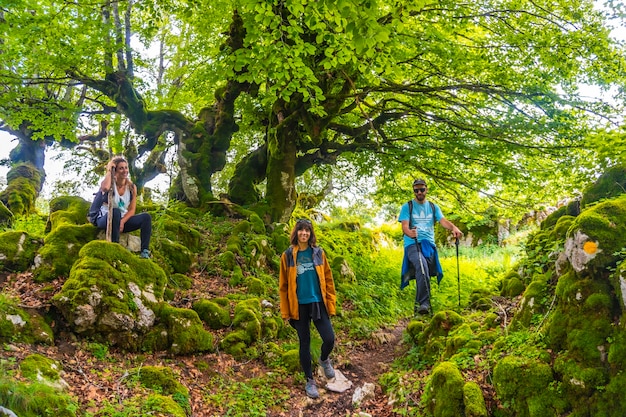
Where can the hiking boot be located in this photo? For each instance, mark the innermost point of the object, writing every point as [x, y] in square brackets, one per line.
[424, 309]
[311, 388]
[145, 253]
[327, 366]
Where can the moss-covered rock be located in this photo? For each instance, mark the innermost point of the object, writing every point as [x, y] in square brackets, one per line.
[180, 282]
[342, 270]
[180, 330]
[161, 405]
[249, 325]
[473, 400]
[236, 277]
[580, 383]
[16, 325]
[611, 183]
[581, 322]
[527, 387]
[255, 286]
[228, 260]
[533, 303]
[60, 250]
[39, 368]
[596, 236]
[460, 338]
[512, 285]
[216, 316]
[17, 251]
[291, 359]
[162, 380]
[67, 210]
[480, 299]
[443, 394]
[551, 220]
[111, 294]
[181, 232]
[173, 256]
[611, 401]
[35, 399]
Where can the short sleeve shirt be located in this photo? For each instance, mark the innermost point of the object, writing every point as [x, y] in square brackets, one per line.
[307, 283]
[422, 219]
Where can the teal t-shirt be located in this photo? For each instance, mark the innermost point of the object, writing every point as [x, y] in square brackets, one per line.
[307, 282]
[423, 219]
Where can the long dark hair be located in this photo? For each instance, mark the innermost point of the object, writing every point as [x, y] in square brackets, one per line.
[303, 224]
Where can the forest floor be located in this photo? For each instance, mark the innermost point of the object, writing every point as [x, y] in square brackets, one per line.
[104, 379]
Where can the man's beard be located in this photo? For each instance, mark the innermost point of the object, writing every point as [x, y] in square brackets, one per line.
[420, 197]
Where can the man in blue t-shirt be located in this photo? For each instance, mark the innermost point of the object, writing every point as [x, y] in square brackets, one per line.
[420, 227]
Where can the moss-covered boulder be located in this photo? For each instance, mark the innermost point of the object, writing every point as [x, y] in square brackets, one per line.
[596, 235]
[527, 387]
[111, 294]
[60, 250]
[180, 282]
[179, 231]
[39, 368]
[582, 320]
[512, 285]
[534, 302]
[214, 314]
[173, 256]
[473, 400]
[16, 325]
[611, 183]
[291, 359]
[17, 251]
[67, 210]
[443, 394]
[165, 381]
[161, 405]
[178, 330]
[34, 399]
[431, 336]
[250, 324]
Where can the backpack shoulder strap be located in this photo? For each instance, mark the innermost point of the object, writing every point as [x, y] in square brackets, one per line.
[432, 207]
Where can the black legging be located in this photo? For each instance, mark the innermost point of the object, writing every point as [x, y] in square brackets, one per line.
[325, 329]
[141, 221]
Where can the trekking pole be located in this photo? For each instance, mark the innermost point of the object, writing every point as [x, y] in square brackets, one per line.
[110, 206]
[458, 271]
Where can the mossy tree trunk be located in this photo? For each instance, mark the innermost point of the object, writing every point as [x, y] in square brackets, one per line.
[26, 176]
[281, 166]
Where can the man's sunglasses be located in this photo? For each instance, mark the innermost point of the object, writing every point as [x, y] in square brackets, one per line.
[419, 190]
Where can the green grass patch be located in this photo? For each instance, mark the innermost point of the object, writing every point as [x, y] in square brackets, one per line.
[255, 397]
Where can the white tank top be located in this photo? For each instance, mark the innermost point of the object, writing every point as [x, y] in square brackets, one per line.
[119, 201]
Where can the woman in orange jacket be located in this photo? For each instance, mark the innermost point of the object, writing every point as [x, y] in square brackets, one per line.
[307, 293]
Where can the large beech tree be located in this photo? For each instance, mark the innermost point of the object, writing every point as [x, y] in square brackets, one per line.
[477, 95]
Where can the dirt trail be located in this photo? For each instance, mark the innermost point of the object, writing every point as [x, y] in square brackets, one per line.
[365, 362]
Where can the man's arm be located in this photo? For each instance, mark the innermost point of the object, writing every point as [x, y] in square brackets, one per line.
[450, 226]
[412, 233]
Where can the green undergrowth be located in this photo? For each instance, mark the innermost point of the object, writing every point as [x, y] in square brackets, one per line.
[254, 397]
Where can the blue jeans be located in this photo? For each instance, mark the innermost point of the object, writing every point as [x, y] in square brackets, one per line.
[422, 280]
[141, 221]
